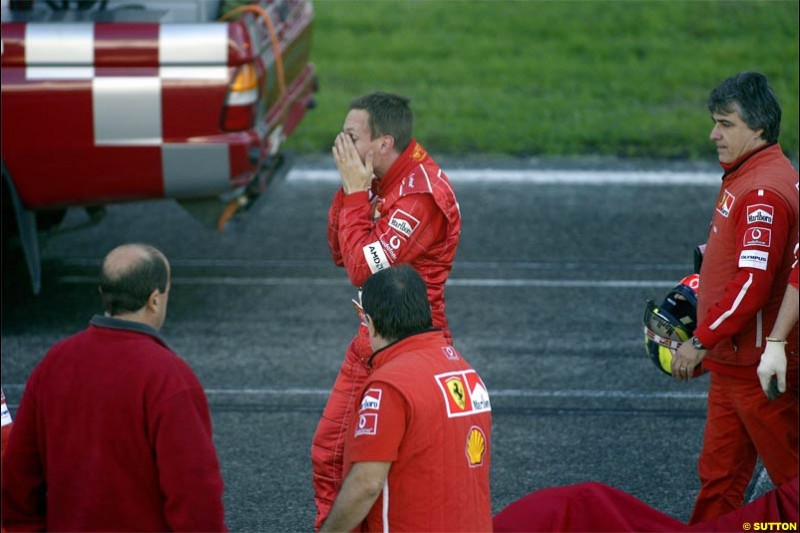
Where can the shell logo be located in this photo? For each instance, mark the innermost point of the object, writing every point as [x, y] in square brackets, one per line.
[476, 446]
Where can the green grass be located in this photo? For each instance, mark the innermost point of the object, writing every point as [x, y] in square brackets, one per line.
[621, 78]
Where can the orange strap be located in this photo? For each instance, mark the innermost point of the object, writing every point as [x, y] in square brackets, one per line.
[276, 45]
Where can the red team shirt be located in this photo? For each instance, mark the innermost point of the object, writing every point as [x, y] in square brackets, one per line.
[747, 261]
[426, 411]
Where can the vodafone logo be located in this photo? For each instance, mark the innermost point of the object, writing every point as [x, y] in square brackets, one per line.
[760, 213]
[758, 237]
[391, 243]
[450, 353]
[367, 425]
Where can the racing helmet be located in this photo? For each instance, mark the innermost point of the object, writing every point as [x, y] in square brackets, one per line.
[670, 324]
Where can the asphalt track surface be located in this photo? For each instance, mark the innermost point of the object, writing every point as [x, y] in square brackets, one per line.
[545, 300]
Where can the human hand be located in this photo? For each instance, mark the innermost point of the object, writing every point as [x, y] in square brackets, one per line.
[773, 363]
[356, 175]
[684, 361]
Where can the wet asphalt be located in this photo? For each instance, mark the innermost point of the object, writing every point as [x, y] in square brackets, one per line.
[545, 300]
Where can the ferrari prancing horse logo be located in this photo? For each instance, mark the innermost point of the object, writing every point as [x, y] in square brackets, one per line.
[464, 393]
[456, 389]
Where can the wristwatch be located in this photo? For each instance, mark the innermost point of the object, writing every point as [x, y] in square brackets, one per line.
[696, 344]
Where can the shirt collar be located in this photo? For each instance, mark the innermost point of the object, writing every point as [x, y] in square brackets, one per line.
[413, 155]
[110, 322]
[730, 168]
[392, 350]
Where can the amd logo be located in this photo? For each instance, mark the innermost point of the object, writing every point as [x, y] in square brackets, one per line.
[376, 259]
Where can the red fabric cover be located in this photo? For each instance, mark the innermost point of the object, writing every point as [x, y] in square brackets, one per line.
[594, 506]
[588, 506]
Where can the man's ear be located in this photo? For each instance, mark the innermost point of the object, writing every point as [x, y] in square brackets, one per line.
[154, 300]
[387, 143]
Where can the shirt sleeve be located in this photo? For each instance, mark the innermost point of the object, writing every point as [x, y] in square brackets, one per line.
[24, 487]
[793, 274]
[333, 227]
[379, 426]
[761, 244]
[408, 229]
[188, 469]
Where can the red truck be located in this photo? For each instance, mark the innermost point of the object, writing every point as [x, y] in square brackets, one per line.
[114, 101]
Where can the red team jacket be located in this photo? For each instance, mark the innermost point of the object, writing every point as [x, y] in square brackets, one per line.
[747, 261]
[410, 216]
[113, 433]
[428, 412]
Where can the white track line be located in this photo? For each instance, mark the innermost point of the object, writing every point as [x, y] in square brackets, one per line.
[338, 282]
[545, 177]
[201, 262]
[499, 393]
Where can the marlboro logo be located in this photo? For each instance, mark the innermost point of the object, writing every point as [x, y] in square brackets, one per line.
[403, 222]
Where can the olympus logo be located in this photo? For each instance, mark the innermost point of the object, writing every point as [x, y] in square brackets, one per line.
[753, 259]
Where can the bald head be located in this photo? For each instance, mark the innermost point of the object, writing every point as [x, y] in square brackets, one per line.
[122, 259]
[129, 275]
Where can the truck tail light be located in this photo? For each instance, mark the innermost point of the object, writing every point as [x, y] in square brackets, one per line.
[240, 105]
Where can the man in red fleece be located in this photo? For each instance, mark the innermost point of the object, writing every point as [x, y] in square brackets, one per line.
[744, 271]
[113, 432]
[395, 206]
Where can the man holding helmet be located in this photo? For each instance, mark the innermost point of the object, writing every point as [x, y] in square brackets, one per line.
[744, 271]
[672, 323]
